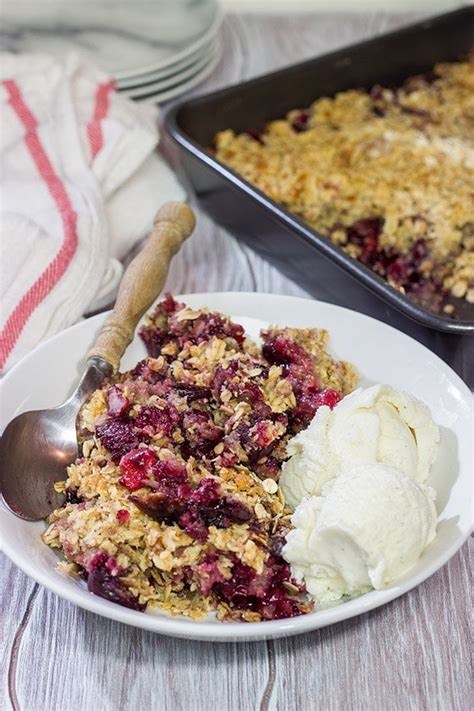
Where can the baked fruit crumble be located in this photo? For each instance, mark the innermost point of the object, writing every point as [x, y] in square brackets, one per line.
[174, 502]
[387, 175]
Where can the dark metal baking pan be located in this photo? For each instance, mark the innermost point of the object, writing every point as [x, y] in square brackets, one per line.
[297, 249]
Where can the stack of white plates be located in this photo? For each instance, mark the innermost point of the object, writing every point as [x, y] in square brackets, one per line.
[155, 49]
[177, 73]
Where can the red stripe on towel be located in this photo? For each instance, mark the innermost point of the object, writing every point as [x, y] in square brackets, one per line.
[94, 127]
[55, 270]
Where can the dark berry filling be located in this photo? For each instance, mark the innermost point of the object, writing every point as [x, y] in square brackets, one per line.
[300, 122]
[117, 403]
[163, 507]
[118, 437]
[136, 467]
[207, 574]
[193, 392]
[122, 516]
[152, 420]
[262, 593]
[268, 468]
[193, 510]
[170, 473]
[103, 580]
[182, 332]
[154, 340]
[365, 234]
[385, 99]
[403, 270]
[256, 135]
[72, 496]
[299, 368]
[201, 434]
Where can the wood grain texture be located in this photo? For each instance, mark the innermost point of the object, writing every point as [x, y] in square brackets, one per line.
[410, 655]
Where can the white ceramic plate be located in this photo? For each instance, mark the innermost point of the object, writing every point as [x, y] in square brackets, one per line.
[171, 93]
[177, 81]
[214, 19]
[380, 353]
[172, 71]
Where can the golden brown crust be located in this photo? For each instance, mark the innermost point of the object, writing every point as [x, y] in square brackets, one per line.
[406, 156]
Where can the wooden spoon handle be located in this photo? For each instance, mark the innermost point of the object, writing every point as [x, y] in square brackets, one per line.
[143, 280]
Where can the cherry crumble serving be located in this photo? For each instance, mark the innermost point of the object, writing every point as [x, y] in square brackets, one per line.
[174, 502]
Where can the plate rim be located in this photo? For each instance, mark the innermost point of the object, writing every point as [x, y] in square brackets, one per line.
[212, 30]
[179, 89]
[150, 78]
[231, 632]
[175, 80]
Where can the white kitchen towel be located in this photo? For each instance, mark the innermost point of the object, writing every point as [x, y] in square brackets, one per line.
[80, 183]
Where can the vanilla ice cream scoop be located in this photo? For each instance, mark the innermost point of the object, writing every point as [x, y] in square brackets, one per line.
[378, 424]
[368, 531]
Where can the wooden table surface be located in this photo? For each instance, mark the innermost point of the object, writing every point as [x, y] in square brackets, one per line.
[412, 654]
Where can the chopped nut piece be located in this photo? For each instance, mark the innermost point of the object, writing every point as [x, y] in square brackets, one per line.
[293, 589]
[270, 486]
[188, 315]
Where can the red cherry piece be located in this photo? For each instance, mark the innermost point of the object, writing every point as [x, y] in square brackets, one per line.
[137, 466]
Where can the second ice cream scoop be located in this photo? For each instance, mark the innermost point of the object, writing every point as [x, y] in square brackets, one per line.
[367, 532]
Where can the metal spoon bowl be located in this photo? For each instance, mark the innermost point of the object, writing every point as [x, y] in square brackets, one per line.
[37, 446]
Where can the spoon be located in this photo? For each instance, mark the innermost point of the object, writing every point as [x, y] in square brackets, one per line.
[37, 446]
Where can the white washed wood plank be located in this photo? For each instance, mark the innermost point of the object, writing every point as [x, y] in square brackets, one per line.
[17, 598]
[80, 661]
[410, 655]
